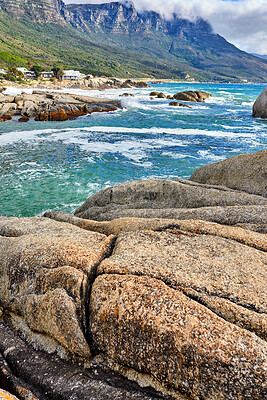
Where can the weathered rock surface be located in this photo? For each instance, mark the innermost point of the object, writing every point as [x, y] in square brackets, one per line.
[7, 396]
[194, 96]
[247, 172]
[165, 198]
[260, 105]
[122, 225]
[46, 269]
[141, 322]
[49, 106]
[177, 305]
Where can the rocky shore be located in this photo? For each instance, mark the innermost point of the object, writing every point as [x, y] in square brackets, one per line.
[52, 106]
[152, 290]
[89, 83]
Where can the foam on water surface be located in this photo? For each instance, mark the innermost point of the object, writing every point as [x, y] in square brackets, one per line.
[57, 165]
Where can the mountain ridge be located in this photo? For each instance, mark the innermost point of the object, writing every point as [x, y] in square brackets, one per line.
[128, 42]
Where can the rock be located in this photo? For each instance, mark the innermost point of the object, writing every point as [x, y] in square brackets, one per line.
[50, 106]
[126, 85]
[153, 94]
[162, 198]
[169, 97]
[7, 396]
[8, 109]
[52, 116]
[143, 323]
[29, 109]
[195, 96]
[173, 103]
[260, 105]
[176, 305]
[51, 378]
[46, 270]
[184, 105]
[5, 118]
[247, 172]
[24, 119]
[122, 225]
[75, 114]
[127, 95]
[161, 96]
[141, 84]
[4, 98]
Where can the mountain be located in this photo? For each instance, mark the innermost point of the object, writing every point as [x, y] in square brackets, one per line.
[115, 39]
[260, 56]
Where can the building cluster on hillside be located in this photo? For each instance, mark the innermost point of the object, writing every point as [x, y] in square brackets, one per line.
[70, 74]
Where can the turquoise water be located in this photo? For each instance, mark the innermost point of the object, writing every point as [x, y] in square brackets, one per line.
[50, 165]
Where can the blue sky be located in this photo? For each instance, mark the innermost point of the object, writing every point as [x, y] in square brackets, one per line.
[242, 22]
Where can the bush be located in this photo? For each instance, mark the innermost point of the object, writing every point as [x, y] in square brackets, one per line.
[11, 78]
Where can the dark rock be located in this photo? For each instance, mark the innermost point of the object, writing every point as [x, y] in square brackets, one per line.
[49, 378]
[184, 105]
[5, 118]
[260, 105]
[127, 95]
[173, 103]
[161, 96]
[153, 94]
[196, 96]
[24, 119]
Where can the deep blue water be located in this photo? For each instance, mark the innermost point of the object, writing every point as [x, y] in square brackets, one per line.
[58, 165]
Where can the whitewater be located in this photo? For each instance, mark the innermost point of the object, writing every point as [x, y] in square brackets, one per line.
[58, 165]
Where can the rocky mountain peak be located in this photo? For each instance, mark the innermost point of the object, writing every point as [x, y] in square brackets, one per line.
[43, 11]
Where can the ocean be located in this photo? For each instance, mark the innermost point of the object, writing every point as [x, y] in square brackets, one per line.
[58, 165]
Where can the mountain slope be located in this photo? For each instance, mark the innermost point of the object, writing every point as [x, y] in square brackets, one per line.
[115, 39]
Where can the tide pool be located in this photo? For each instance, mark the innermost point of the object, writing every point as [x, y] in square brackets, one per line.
[58, 165]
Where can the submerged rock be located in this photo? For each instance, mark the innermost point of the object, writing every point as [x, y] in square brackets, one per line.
[260, 105]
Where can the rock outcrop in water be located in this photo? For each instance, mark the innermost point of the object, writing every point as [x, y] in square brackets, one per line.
[260, 105]
[177, 305]
[49, 106]
[194, 96]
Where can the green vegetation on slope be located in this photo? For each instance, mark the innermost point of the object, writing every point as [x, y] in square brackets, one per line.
[137, 54]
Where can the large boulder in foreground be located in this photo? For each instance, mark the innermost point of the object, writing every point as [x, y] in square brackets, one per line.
[260, 105]
[175, 305]
[247, 172]
[177, 199]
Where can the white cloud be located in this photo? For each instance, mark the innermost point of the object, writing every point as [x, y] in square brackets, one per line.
[242, 22]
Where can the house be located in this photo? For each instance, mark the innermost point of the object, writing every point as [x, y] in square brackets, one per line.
[3, 71]
[26, 73]
[72, 75]
[47, 75]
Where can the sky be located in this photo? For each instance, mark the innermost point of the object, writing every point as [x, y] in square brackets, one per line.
[241, 22]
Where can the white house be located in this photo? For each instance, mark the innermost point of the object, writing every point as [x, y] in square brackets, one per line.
[26, 73]
[3, 71]
[72, 75]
